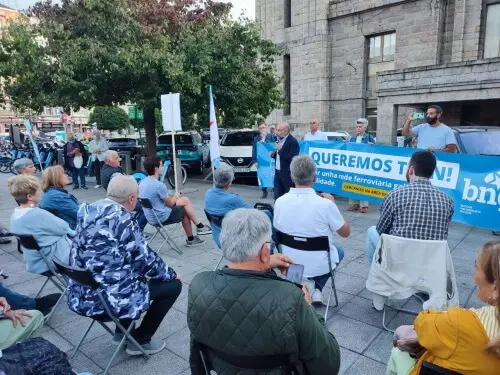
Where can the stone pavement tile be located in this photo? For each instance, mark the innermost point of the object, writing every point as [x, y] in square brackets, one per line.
[82, 363]
[464, 254]
[206, 260]
[465, 280]
[474, 242]
[352, 334]
[463, 266]
[63, 315]
[164, 362]
[173, 322]
[342, 297]
[348, 283]
[182, 266]
[474, 301]
[31, 287]
[380, 348]
[358, 267]
[361, 309]
[178, 343]
[366, 366]
[347, 358]
[186, 279]
[181, 305]
[101, 349]
[453, 243]
[15, 269]
[187, 372]
[74, 330]
[56, 339]
[401, 319]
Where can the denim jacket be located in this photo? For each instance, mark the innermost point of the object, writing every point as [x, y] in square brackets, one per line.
[365, 139]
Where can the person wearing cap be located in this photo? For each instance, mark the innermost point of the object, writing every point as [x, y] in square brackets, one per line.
[24, 166]
[361, 137]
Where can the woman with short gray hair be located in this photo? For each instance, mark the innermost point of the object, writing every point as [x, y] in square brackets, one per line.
[361, 137]
[24, 166]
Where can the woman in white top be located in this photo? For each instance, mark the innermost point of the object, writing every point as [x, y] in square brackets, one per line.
[97, 147]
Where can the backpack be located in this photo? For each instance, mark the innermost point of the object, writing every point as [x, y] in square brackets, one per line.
[34, 356]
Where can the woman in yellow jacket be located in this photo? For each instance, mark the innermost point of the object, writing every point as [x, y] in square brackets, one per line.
[461, 340]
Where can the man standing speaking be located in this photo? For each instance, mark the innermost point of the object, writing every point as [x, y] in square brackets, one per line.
[286, 148]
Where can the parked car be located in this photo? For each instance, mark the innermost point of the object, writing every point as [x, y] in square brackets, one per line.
[236, 151]
[193, 153]
[338, 136]
[205, 133]
[478, 140]
[126, 145]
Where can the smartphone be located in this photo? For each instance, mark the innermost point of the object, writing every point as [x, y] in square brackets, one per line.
[418, 116]
[294, 273]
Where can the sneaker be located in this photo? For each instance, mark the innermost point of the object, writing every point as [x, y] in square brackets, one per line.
[46, 303]
[117, 338]
[5, 233]
[264, 195]
[76, 187]
[196, 241]
[152, 347]
[310, 285]
[204, 230]
[317, 297]
[5, 241]
[85, 188]
[97, 186]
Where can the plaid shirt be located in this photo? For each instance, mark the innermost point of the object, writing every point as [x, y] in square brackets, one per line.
[418, 211]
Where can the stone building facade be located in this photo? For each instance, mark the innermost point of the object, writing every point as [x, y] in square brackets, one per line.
[383, 59]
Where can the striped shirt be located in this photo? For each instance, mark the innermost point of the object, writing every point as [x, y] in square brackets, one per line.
[487, 316]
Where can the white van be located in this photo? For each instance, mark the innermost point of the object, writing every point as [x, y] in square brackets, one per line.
[236, 151]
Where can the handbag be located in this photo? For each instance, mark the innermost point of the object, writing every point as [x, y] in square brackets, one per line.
[78, 161]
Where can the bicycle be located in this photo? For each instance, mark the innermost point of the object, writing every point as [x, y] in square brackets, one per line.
[168, 171]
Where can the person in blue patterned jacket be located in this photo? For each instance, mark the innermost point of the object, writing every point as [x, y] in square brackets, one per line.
[110, 244]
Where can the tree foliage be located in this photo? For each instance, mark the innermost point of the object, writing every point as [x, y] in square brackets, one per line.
[110, 118]
[86, 53]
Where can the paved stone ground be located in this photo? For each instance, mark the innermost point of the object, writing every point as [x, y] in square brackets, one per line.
[365, 345]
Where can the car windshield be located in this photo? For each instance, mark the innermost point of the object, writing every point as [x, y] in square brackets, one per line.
[481, 142]
[122, 141]
[238, 139]
[180, 139]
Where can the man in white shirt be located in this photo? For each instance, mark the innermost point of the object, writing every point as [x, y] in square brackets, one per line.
[301, 212]
[315, 134]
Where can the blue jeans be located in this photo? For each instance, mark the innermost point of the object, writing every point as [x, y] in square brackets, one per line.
[320, 281]
[17, 301]
[75, 173]
[372, 238]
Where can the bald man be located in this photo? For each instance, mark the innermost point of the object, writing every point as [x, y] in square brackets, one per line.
[315, 134]
[286, 148]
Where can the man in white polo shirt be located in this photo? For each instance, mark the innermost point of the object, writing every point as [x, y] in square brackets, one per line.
[301, 212]
[315, 134]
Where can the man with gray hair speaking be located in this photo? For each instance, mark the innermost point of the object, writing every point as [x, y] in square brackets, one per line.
[246, 308]
[303, 213]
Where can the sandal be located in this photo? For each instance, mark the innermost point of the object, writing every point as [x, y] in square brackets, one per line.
[363, 210]
[354, 207]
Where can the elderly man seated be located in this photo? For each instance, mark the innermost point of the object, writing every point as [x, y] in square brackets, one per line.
[301, 212]
[24, 166]
[246, 309]
[219, 201]
[133, 278]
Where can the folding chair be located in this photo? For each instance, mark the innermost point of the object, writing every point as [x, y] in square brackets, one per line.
[167, 237]
[431, 369]
[29, 242]
[263, 363]
[84, 277]
[312, 244]
[215, 220]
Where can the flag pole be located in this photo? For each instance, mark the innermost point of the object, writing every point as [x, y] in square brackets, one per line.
[172, 127]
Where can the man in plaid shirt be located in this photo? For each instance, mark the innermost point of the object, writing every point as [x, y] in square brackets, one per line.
[418, 210]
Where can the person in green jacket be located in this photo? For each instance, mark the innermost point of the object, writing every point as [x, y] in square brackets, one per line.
[246, 309]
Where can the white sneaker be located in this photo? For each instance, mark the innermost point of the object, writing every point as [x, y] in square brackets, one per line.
[97, 186]
[317, 297]
[309, 284]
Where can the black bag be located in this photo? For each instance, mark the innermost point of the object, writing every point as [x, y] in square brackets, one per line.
[264, 206]
[34, 356]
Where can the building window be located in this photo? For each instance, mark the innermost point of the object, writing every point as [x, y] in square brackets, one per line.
[288, 13]
[492, 33]
[382, 48]
[287, 85]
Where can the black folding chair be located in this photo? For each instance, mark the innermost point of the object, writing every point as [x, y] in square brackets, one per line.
[311, 244]
[84, 277]
[264, 363]
[29, 243]
[167, 237]
[431, 369]
[215, 220]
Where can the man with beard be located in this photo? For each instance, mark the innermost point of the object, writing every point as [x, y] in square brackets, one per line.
[418, 210]
[433, 135]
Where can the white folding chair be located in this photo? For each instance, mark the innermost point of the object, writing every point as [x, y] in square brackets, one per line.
[160, 229]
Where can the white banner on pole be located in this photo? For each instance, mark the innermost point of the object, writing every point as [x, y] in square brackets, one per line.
[171, 112]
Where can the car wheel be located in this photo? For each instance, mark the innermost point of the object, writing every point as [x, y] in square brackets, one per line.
[199, 168]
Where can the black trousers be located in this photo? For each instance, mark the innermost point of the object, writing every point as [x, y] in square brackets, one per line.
[163, 294]
[282, 184]
[97, 171]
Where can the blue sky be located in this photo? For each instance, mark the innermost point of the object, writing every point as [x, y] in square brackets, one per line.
[238, 6]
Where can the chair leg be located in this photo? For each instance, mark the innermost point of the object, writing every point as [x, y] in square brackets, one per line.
[334, 290]
[43, 286]
[49, 316]
[171, 242]
[219, 262]
[383, 321]
[328, 304]
[83, 338]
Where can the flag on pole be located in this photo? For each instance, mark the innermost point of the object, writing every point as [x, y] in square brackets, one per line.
[214, 133]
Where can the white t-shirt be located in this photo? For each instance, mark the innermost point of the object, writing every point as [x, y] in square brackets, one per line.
[303, 213]
[318, 136]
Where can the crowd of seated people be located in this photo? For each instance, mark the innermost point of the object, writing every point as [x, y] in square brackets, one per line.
[106, 238]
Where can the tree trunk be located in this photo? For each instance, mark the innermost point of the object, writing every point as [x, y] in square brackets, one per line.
[149, 127]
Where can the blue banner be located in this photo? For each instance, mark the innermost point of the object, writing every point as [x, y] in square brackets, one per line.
[267, 165]
[366, 172]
